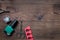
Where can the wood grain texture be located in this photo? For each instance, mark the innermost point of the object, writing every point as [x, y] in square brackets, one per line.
[48, 28]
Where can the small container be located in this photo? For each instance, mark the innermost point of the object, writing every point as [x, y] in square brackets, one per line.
[10, 28]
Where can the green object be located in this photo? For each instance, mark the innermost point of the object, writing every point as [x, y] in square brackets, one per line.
[9, 30]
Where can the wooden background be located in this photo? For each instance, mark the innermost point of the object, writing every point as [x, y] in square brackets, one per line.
[46, 28]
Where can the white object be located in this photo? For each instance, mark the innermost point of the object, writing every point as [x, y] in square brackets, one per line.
[6, 19]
